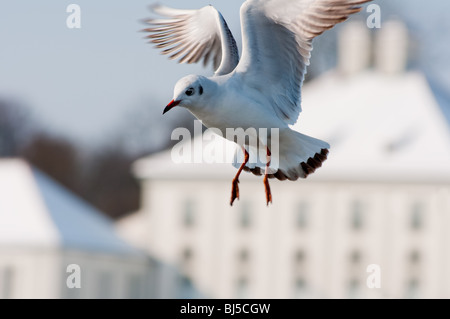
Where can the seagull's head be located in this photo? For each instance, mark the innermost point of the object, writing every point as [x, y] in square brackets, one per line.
[190, 92]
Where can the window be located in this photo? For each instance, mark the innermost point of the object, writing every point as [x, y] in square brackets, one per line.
[187, 255]
[414, 257]
[299, 269]
[245, 216]
[416, 217]
[242, 288]
[135, 287]
[355, 257]
[70, 293]
[412, 288]
[185, 287]
[105, 285]
[300, 288]
[6, 282]
[300, 257]
[302, 215]
[189, 214]
[357, 215]
[244, 256]
[354, 288]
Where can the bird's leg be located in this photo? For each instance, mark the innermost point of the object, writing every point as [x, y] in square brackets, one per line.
[266, 179]
[235, 187]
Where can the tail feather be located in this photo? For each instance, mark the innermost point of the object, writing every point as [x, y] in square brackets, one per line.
[315, 162]
[299, 156]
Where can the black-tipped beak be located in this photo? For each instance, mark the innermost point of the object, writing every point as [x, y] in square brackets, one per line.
[171, 105]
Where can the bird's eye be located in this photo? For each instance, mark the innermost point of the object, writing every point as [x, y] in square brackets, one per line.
[190, 92]
[200, 90]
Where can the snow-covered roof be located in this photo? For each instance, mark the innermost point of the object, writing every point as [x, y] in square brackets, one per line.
[380, 127]
[35, 211]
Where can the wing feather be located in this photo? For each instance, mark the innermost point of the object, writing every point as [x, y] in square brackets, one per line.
[193, 35]
[277, 44]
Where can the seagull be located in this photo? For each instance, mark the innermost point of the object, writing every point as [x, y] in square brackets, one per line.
[260, 89]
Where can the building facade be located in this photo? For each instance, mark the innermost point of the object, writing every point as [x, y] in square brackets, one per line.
[373, 222]
[53, 245]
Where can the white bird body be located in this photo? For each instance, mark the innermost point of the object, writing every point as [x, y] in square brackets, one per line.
[262, 89]
[232, 105]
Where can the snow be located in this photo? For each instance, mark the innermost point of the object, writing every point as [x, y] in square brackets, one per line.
[379, 127]
[36, 211]
[23, 216]
[79, 224]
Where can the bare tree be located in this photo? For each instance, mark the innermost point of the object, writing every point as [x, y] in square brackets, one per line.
[15, 128]
[109, 183]
[57, 157]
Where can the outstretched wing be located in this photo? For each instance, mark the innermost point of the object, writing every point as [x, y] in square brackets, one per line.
[277, 45]
[193, 35]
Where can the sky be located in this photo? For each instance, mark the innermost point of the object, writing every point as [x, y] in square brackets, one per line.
[86, 83]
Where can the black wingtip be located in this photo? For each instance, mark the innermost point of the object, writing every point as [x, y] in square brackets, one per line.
[313, 163]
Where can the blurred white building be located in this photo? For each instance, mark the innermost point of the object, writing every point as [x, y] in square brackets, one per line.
[382, 197]
[49, 237]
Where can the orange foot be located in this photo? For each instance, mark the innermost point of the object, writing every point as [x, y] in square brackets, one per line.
[268, 192]
[234, 191]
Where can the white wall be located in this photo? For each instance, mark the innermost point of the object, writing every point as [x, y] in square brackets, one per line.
[327, 243]
[31, 272]
[42, 273]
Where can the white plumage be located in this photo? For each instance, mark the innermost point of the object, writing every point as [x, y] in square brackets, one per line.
[262, 89]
